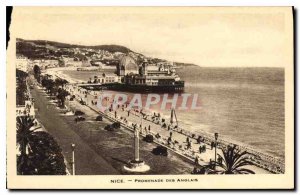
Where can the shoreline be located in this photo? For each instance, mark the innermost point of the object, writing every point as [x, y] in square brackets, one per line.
[189, 155]
[263, 156]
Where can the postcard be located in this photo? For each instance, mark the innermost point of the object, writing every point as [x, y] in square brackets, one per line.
[150, 98]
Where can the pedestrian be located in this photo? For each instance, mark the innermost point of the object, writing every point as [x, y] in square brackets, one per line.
[169, 141]
[115, 114]
[188, 145]
[196, 160]
[219, 159]
[199, 139]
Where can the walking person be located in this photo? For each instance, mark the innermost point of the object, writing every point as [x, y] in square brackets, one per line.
[187, 139]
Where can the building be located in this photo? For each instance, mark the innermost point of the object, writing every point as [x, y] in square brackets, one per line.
[106, 79]
[22, 63]
[127, 65]
[25, 110]
[145, 77]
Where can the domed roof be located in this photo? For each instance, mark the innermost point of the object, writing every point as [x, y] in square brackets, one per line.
[128, 63]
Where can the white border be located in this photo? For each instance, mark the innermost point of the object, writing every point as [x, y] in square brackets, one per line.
[103, 3]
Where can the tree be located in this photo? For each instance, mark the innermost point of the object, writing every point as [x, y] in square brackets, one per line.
[61, 96]
[46, 155]
[24, 135]
[234, 161]
[21, 90]
[37, 72]
[40, 154]
[60, 82]
[48, 84]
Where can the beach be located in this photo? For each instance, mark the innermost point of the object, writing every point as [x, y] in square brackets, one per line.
[242, 105]
[98, 151]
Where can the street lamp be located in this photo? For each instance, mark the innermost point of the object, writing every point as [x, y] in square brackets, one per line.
[216, 139]
[73, 158]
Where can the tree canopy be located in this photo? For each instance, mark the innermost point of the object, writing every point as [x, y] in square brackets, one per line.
[40, 154]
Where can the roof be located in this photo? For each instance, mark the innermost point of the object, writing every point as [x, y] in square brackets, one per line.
[128, 63]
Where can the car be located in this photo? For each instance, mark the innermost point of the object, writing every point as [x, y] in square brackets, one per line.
[160, 150]
[99, 118]
[108, 128]
[79, 118]
[82, 102]
[149, 138]
[116, 125]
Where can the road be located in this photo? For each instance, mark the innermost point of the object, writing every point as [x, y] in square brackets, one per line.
[88, 162]
[100, 152]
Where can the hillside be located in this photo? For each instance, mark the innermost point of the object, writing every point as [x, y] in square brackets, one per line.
[43, 49]
[109, 48]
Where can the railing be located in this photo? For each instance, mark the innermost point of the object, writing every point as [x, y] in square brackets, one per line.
[260, 159]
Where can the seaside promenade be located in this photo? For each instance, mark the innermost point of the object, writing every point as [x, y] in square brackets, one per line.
[172, 139]
[88, 162]
[263, 163]
[98, 151]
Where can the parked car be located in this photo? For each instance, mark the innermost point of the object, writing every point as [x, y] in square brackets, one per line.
[79, 118]
[79, 113]
[82, 102]
[160, 150]
[116, 125]
[99, 118]
[149, 138]
[109, 128]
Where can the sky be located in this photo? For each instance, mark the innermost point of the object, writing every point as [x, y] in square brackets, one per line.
[220, 37]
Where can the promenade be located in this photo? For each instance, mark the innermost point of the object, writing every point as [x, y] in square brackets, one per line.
[98, 151]
[88, 162]
[175, 141]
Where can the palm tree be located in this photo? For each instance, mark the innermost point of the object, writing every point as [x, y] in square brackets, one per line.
[234, 161]
[61, 96]
[40, 154]
[24, 135]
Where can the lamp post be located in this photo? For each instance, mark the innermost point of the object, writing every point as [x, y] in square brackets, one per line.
[73, 158]
[216, 139]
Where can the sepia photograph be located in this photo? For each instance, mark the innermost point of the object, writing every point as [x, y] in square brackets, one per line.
[150, 98]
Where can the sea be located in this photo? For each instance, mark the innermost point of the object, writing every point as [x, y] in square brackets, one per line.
[242, 105]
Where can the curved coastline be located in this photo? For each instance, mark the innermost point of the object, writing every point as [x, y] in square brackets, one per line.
[263, 161]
